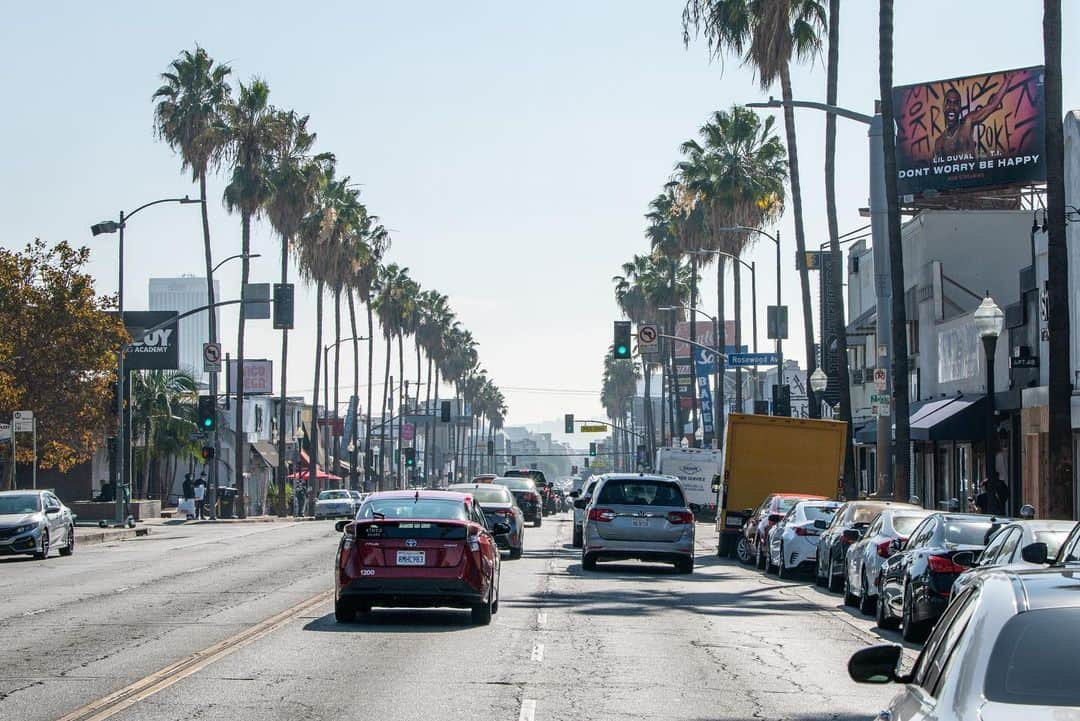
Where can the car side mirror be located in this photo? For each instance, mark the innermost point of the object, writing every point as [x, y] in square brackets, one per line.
[896, 545]
[694, 508]
[501, 528]
[821, 524]
[852, 534]
[340, 526]
[581, 503]
[747, 512]
[575, 494]
[876, 664]
[775, 518]
[1035, 553]
[965, 559]
[52, 510]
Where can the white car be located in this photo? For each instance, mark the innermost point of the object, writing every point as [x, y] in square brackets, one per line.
[335, 504]
[793, 541]
[35, 522]
[882, 539]
[579, 508]
[1006, 548]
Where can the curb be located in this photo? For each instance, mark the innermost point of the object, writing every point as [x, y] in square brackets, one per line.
[98, 537]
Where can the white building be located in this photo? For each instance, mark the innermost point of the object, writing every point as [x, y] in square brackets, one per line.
[183, 294]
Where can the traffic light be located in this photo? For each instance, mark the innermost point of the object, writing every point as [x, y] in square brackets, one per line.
[513, 460]
[207, 413]
[592, 449]
[573, 470]
[409, 455]
[586, 462]
[621, 346]
[283, 306]
[569, 420]
[444, 411]
[207, 453]
[491, 448]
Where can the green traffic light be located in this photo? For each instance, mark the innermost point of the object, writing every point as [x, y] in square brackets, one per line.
[621, 350]
[207, 422]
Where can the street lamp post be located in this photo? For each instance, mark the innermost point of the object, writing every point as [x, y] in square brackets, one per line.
[989, 322]
[819, 382]
[752, 266]
[109, 227]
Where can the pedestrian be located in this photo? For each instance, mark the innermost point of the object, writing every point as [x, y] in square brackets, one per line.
[188, 487]
[982, 500]
[200, 494]
[300, 494]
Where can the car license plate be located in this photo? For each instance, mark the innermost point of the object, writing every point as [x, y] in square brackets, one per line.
[410, 558]
[641, 523]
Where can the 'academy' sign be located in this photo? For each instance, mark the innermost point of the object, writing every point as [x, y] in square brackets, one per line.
[156, 349]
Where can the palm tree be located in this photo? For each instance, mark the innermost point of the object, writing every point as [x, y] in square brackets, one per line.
[190, 117]
[1060, 389]
[163, 411]
[252, 133]
[434, 321]
[296, 177]
[836, 258]
[898, 484]
[768, 34]
[392, 298]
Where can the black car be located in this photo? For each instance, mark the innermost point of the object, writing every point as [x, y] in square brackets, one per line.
[547, 494]
[917, 580]
[527, 497]
[845, 528]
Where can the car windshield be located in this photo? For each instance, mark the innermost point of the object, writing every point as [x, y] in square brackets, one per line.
[1052, 539]
[819, 513]
[967, 533]
[904, 525]
[333, 495]
[21, 503]
[516, 484]
[641, 493]
[428, 508]
[1034, 660]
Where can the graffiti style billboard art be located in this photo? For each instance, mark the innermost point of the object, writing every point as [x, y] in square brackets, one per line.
[979, 131]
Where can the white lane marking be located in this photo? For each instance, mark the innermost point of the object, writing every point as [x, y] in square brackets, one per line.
[35, 612]
[528, 710]
[541, 618]
[538, 652]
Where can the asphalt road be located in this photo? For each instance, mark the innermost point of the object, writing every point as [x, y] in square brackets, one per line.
[628, 641]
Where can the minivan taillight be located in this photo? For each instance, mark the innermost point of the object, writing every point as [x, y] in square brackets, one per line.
[604, 515]
[676, 518]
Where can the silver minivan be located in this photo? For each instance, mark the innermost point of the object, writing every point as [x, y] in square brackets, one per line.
[637, 516]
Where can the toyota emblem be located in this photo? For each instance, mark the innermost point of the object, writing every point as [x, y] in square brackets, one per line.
[411, 543]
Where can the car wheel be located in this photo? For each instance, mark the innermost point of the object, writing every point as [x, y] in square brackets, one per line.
[910, 630]
[539, 522]
[578, 540]
[344, 612]
[684, 565]
[588, 561]
[835, 584]
[515, 553]
[742, 550]
[70, 547]
[883, 614]
[782, 571]
[850, 599]
[866, 601]
[819, 580]
[481, 612]
[759, 557]
[44, 552]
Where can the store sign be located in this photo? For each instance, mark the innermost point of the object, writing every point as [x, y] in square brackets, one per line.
[258, 377]
[155, 340]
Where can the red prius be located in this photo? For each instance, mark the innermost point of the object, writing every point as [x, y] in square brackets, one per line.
[418, 549]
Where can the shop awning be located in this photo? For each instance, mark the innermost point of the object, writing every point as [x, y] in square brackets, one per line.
[956, 419]
[864, 324]
[267, 451]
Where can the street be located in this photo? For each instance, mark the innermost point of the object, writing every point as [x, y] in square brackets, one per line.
[627, 641]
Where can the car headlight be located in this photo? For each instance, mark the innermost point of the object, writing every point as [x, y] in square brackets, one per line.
[25, 527]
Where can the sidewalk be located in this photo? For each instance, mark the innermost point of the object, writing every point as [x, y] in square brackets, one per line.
[93, 535]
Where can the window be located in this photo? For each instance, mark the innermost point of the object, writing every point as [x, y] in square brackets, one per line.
[948, 632]
[967, 533]
[1052, 539]
[1034, 660]
[641, 493]
[1008, 546]
[1071, 553]
[436, 509]
[922, 533]
[875, 527]
[819, 513]
[905, 524]
[993, 550]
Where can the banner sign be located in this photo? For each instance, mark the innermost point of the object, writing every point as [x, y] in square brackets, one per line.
[706, 401]
[157, 349]
[705, 335]
[258, 377]
[972, 132]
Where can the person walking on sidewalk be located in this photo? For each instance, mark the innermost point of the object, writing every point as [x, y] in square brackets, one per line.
[200, 494]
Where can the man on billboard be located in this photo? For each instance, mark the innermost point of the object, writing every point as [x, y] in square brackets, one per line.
[958, 138]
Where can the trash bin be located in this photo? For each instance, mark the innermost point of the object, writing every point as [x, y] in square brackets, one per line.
[226, 497]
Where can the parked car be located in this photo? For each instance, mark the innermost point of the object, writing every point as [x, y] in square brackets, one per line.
[33, 523]
[886, 535]
[418, 549]
[793, 540]
[579, 509]
[485, 477]
[357, 499]
[1010, 547]
[527, 497]
[638, 516]
[916, 582]
[751, 544]
[846, 528]
[498, 505]
[334, 503]
[1005, 649]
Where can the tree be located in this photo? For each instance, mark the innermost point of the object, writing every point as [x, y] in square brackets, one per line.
[901, 443]
[767, 35]
[252, 133]
[163, 412]
[1060, 387]
[434, 321]
[393, 296]
[836, 258]
[58, 352]
[190, 117]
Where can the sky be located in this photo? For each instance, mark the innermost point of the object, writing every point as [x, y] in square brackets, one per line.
[512, 148]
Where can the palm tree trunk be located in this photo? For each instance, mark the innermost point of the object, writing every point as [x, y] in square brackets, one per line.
[1060, 475]
[650, 435]
[383, 419]
[901, 447]
[800, 235]
[354, 479]
[313, 453]
[429, 424]
[435, 433]
[208, 252]
[282, 404]
[402, 390]
[673, 390]
[337, 380]
[370, 377]
[736, 269]
[662, 438]
[416, 431]
[721, 317]
[695, 409]
[241, 444]
[836, 258]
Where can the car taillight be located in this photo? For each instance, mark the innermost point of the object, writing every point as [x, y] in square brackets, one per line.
[944, 564]
[676, 518]
[803, 531]
[603, 515]
[884, 549]
[532, 497]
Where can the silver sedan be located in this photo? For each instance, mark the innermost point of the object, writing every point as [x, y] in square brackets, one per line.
[35, 522]
[882, 539]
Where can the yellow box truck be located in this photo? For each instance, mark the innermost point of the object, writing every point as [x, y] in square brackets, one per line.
[775, 454]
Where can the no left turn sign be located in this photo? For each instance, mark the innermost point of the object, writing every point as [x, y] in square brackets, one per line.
[211, 354]
[647, 337]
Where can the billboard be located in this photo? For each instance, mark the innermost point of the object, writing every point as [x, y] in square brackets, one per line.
[258, 377]
[705, 335]
[979, 131]
[155, 341]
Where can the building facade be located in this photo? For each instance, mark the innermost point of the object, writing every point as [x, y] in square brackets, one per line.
[183, 294]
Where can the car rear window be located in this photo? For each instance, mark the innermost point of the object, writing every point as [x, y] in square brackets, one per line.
[641, 493]
[495, 494]
[434, 508]
[968, 533]
[786, 504]
[819, 513]
[904, 525]
[1034, 660]
[516, 484]
[333, 495]
[865, 514]
[1053, 541]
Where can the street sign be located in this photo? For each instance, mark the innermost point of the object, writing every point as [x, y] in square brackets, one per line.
[1030, 361]
[211, 357]
[408, 430]
[196, 436]
[587, 428]
[776, 322]
[5, 431]
[881, 379]
[648, 338]
[880, 404]
[256, 297]
[742, 360]
[24, 421]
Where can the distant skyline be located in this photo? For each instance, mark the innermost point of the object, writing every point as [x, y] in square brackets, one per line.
[511, 148]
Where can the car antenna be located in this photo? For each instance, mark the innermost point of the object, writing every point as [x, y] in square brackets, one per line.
[417, 497]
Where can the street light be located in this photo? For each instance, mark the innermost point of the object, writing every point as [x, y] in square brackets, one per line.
[107, 227]
[753, 310]
[717, 410]
[818, 380]
[234, 257]
[989, 322]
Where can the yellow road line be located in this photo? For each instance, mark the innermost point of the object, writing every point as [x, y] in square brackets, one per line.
[162, 679]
